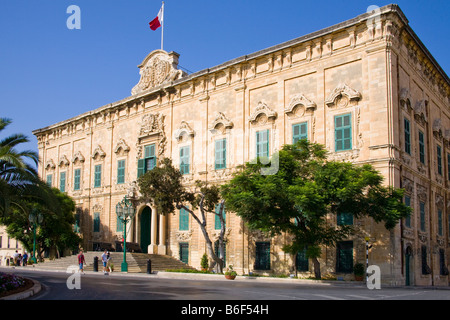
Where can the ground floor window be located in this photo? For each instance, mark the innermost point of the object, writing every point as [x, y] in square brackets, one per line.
[344, 257]
[262, 256]
[302, 261]
[184, 252]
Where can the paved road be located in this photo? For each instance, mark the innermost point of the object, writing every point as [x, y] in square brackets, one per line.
[96, 286]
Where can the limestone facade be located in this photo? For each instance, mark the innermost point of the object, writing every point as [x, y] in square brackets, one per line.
[370, 74]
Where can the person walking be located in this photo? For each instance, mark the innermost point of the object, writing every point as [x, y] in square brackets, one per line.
[25, 259]
[105, 261]
[108, 264]
[81, 261]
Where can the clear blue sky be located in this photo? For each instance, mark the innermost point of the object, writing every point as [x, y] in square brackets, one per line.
[49, 73]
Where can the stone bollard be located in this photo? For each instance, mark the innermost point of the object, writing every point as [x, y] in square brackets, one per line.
[149, 266]
[95, 264]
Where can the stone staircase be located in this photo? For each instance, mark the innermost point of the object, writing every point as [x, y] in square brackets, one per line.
[137, 262]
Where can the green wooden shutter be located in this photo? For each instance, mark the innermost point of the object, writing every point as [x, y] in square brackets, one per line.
[77, 179]
[184, 252]
[141, 167]
[96, 221]
[120, 171]
[344, 219]
[421, 147]
[262, 143]
[343, 132]
[98, 176]
[344, 259]
[217, 223]
[439, 159]
[62, 182]
[220, 150]
[422, 216]
[185, 159]
[262, 256]
[184, 220]
[299, 132]
[408, 218]
[407, 136]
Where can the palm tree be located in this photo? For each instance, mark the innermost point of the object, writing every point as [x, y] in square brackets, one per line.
[19, 181]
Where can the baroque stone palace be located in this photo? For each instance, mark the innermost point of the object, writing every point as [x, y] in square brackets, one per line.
[367, 89]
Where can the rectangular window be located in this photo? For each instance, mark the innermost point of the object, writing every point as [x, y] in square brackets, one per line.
[119, 225]
[98, 176]
[439, 159]
[407, 136]
[62, 181]
[220, 151]
[425, 267]
[408, 219]
[299, 132]
[77, 179]
[421, 147]
[344, 219]
[302, 261]
[184, 252]
[262, 143]
[448, 166]
[217, 222]
[96, 221]
[120, 171]
[49, 180]
[184, 220]
[440, 228]
[262, 257]
[343, 132]
[422, 216]
[185, 159]
[149, 160]
[344, 257]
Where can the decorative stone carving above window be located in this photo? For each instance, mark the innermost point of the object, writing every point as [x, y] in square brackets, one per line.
[221, 123]
[262, 114]
[437, 128]
[408, 185]
[63, 161]
[342, 95]
[50, 165]
[151, 124]
[183, 130]
[78, 157]
[121, 147]
[98, 152]
[405, 99]
[299, 104]
[420, 111]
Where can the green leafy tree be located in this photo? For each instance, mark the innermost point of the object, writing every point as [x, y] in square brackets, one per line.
[163, 187]
[306, 188]
[56, 229]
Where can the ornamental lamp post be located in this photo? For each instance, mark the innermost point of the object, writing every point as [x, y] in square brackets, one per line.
[35, 219]
[125, 212]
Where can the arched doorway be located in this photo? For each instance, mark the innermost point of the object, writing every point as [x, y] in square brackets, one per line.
[145, 223]
[408, 266]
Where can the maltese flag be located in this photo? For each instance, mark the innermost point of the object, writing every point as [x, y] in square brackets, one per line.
[158, 21]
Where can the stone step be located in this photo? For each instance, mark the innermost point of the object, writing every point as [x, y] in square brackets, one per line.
[137, 262]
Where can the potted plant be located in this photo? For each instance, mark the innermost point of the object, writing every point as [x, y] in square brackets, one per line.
[204, 263]
[230, 274]
[358, 271]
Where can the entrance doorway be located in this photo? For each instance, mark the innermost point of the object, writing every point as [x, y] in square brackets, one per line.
[146, 217]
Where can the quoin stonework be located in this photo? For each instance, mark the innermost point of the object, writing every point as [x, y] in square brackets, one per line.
[367, 89]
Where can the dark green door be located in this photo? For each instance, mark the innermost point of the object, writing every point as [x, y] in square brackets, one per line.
[408, 266]
[184, 252]
[146, 216]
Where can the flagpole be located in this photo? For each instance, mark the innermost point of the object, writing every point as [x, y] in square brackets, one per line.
[162, 29]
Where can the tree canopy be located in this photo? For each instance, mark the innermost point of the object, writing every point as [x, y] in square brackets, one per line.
[305, 191]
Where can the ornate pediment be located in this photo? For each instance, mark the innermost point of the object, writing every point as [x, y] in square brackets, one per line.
[78, 157]
[437, 128]
[221, 122]
[405, 99]
[151, 124]
[63, 161]
[183, 129]
[98, 152]
[121, 147]
[299, 100]
[420, 111]
[49, 165]
[342, 95]
[262, 109]
[158, 67]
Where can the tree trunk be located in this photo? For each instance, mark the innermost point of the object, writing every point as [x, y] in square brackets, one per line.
[317, 273]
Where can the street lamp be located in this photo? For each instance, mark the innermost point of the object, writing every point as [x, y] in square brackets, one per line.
[125, 212]
[35, 219]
